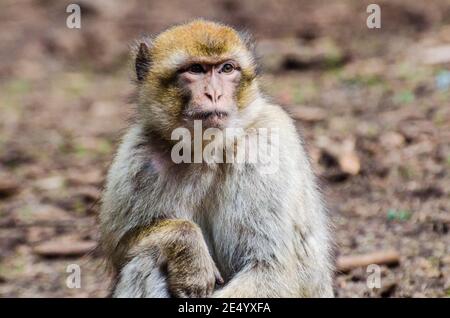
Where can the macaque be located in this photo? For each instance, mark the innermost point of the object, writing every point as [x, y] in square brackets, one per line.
[211, 229]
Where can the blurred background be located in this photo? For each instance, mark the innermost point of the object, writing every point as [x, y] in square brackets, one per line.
[373, 105]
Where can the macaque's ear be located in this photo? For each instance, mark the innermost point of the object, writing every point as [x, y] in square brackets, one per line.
[248, 40]
[142, 61]
[250, 44]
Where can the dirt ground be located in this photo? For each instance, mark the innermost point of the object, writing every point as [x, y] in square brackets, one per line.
[372, 104]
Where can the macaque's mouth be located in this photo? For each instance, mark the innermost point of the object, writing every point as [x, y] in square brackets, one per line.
[204, 115]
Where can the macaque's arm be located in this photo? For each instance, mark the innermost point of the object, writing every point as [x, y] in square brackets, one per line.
[175, 248]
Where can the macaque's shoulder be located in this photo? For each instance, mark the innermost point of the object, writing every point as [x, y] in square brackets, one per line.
[133, 154]
[274, 116]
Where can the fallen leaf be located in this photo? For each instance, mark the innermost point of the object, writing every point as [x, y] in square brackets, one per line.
[437, 55]
[64, 248]
[392, 139]
[346, 263]
[50, 183]
[349, 163]
[8, 186]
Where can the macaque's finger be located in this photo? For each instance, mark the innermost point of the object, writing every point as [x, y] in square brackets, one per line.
[218, 276]
[210, 290]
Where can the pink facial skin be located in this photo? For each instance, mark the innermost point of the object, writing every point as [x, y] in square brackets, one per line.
[212, 89]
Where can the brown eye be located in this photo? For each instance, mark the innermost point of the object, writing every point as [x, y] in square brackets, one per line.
[227, 68]
[196, 69]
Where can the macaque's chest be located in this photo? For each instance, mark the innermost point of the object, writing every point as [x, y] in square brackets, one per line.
[223, 216]
[222, 202]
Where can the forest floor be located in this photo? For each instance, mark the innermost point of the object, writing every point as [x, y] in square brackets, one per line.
[373, 106]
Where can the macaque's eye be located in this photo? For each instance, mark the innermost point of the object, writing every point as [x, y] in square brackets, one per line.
[196, 69]
[227, 68]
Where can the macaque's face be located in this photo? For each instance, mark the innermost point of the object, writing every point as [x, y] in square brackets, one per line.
[197, 71]
[210, 90]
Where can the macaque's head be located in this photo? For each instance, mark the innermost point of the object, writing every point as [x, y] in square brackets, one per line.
[196, 71]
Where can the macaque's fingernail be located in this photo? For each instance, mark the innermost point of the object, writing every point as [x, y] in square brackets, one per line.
[219, 280]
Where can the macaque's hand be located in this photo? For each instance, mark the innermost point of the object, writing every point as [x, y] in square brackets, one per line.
[191, 272]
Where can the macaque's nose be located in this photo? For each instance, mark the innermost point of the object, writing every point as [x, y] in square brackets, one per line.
[213, 89]
[213, 96]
